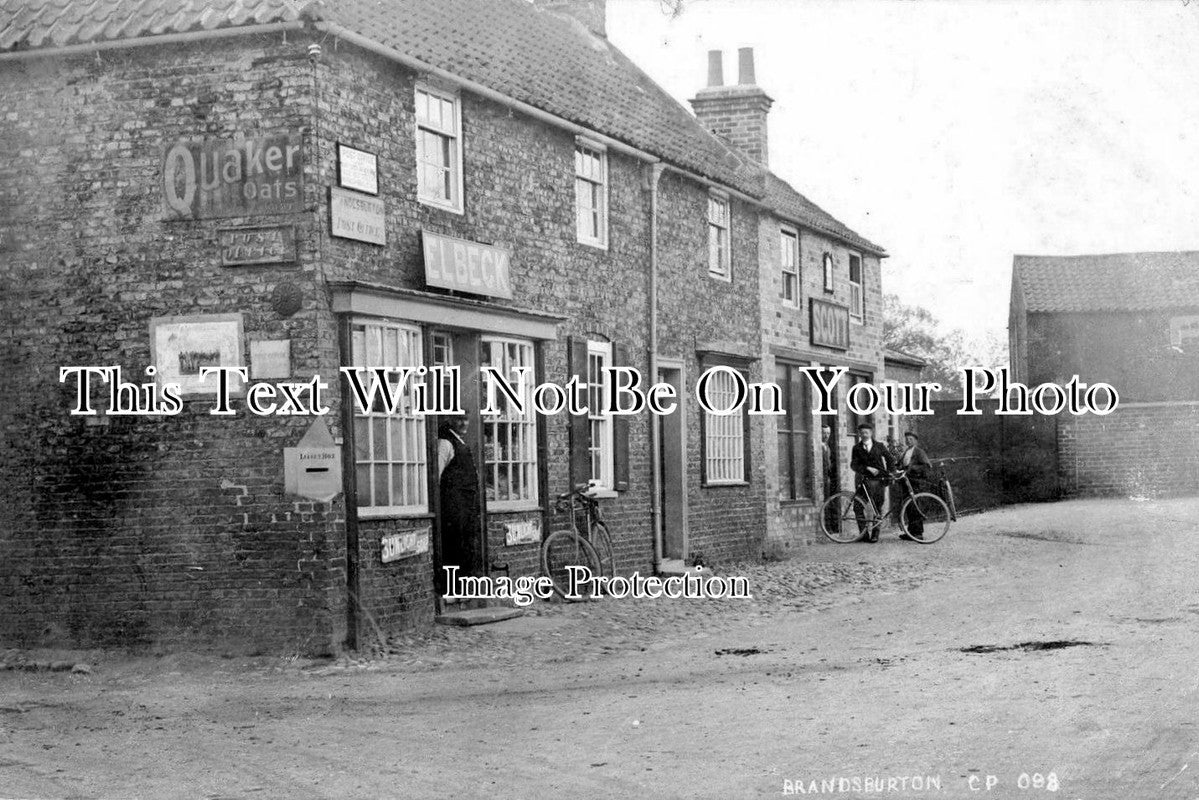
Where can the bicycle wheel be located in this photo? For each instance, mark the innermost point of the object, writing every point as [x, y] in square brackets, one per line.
[928, 511]
[601, 540]
[563, 549]
[839, 516]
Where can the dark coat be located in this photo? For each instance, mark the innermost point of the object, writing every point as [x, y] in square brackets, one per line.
[878, 457]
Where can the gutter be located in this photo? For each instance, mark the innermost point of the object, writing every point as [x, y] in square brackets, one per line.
[150, 41]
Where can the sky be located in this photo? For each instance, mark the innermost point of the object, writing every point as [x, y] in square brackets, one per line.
[957, 134]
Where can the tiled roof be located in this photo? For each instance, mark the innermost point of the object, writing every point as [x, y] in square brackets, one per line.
[57, 23]
[1112, 282]
[789, 203]
[900, 357]
[547, 60]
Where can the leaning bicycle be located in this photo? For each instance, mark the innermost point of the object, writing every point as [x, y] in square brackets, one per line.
[586, 543]
[924, 517]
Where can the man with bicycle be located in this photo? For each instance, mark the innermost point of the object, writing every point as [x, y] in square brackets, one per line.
[871, 464]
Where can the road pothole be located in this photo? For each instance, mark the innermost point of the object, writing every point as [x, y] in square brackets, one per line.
[740, 651]
[1028, 647]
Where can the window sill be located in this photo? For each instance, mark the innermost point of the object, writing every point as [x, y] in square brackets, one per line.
[716, 276]
[722, 484]
[453, 209]
[388, 513]
[594, 244]
[603, 493]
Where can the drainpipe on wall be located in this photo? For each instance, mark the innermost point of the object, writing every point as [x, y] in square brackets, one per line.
[652, 173]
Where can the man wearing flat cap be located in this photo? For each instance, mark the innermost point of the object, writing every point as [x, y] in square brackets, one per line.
[920, 469]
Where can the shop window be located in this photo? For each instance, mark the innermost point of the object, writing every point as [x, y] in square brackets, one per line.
[510, 439]
[599, 356]
[389, 449]
[718, 237]
[857, 297]
[794, 435]
[438, 148]
[724, 434]
[591, 194]
[789, 258]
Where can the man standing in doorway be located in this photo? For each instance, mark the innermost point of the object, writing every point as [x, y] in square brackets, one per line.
[871, 462]
[460, 510]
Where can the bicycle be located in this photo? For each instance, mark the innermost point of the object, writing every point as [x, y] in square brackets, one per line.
[586, 543]
[841, 512]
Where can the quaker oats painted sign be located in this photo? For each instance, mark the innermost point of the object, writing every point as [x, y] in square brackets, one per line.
[216, 178]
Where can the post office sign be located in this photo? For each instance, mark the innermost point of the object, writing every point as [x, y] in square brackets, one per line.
[830, 324]
[266, 245]
[215, 178]
[357, 216]
[466, 266]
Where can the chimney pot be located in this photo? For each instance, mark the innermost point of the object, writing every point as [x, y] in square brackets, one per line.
[745, 65]
[715, 68]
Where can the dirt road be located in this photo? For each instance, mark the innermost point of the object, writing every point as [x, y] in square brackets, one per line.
[1040, 651]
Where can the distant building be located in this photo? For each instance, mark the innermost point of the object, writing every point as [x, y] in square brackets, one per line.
[1130, 320]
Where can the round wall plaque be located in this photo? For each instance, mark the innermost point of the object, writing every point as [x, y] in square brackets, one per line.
[287, 299]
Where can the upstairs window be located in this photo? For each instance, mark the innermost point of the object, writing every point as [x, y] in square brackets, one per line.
[718, 237]
[789, 259]
[827, 262]
[857, 297]
[591, 194]
[438, 149]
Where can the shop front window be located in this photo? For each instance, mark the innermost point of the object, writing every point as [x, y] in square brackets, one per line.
[510, 438]
[389, 449]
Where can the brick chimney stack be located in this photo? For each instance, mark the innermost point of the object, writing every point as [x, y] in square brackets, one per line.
[592, 13]
[737, 114]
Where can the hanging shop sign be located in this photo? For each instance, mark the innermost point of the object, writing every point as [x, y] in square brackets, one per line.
[357, 169]
[267, 245]
[217, 178]
[466, 266]
[357, 216]
[830, 324]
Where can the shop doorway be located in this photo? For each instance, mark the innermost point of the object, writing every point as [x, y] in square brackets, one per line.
[457, 465]
[672, 464]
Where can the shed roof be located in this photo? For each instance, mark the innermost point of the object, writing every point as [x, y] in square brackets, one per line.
[1108, 282]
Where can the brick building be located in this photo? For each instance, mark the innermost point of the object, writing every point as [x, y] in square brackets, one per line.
[1130, 320]
[821, 305]
[294, 189]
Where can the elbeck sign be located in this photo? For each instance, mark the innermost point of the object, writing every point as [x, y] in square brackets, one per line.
[217, 178]
[830, 325]
[466, 266]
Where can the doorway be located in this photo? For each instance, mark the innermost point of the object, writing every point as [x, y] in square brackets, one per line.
[460, 536]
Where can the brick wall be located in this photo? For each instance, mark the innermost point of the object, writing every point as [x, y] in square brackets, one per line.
[139, 530]
[1139, 450]
[1129, 350]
